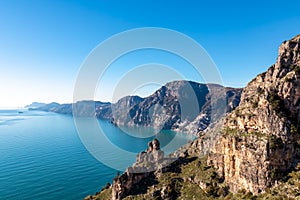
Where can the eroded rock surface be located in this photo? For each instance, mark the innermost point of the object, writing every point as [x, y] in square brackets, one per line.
[183, 106]
[260, 139]
[146, 163]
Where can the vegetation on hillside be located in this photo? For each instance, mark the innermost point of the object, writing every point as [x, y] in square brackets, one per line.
[193, 179]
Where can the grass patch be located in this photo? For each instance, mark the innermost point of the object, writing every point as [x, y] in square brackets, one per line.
[289, 79]
[238, 133]
[104, 194]
[296, 69]
[178, 187]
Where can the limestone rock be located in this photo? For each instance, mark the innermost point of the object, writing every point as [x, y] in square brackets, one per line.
[259, 141]
[183, 106]
[146, 163]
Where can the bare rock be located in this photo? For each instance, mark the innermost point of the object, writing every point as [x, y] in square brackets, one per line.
[258, 142]
[147, 162]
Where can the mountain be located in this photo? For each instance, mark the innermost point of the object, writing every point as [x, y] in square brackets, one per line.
[81, 108]
[121, 109]
[90, 108]
[45, 107]
[35, 105]
[261, 138]
[183, 106]
[251, 153]
[179, 105]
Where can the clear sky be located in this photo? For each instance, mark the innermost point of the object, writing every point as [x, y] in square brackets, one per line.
[43, 43]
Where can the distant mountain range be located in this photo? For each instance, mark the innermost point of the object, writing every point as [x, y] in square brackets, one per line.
[184, 106]
[35, 105]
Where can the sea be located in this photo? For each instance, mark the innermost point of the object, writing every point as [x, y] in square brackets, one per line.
[44, 155]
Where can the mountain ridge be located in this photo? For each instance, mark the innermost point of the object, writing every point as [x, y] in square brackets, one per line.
[183, 106]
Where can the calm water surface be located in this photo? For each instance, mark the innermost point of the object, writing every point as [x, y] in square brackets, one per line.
[42, 156]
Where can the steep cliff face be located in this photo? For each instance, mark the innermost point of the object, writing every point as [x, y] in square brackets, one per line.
[119, 109]
[182, 106]
[260, 139]
[219, 101]
[170, 105]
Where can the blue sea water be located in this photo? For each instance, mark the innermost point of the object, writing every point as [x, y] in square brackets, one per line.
[43, 157]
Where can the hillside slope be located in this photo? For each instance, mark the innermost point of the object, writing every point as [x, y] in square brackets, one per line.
[184, 106]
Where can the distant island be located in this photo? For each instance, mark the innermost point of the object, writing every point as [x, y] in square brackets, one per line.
[35, 105]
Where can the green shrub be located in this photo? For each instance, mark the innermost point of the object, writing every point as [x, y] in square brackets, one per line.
[255, 104]
[249, 196]
[273, 174]
[212, 191]
[260, 91]
[242, 191]
[275, 142]
[276, 103]
[230, 131]
[294, 129]
[288, 79]
[296, 68]
[223, 191]
[213, 175]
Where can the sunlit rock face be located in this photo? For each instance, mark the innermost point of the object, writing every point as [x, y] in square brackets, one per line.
[183, 106]
[261, 137]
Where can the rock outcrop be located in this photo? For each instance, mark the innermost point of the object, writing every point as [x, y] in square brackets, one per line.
[146, 163]
[260, 140]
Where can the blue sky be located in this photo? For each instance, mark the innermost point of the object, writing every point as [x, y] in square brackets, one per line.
[43, 43]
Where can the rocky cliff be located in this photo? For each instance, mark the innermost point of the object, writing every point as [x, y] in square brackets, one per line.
[260, 140]
[183, 106]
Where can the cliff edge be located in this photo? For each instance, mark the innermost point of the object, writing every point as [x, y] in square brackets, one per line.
[260, 140]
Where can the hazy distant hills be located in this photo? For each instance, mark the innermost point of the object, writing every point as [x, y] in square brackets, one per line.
[83, 108]
[35, 105]
[179, 105]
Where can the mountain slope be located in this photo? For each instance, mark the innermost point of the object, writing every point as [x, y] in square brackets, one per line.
[182, 106]
[261, 138]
